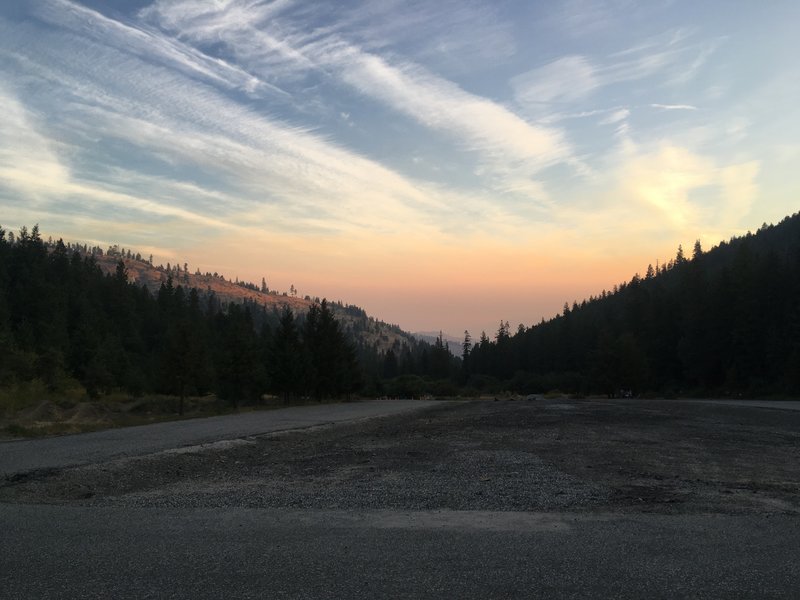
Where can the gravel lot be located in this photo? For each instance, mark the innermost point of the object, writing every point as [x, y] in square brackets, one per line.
[508, 499]
[671, 457]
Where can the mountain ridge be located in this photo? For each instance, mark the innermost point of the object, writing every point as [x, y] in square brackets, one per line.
[142, 272]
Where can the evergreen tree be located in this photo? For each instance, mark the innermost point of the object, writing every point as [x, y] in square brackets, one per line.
[332, 371]
[466, 349]
[440, 358]
[390, 367]
[286, 367]
[241, 374]
[697, 252]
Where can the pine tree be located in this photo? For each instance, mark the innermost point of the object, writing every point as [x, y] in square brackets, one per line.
[286, 365]
[241, 374]
[697, 252]
[390, 368]
[679, 257]
[466, 351]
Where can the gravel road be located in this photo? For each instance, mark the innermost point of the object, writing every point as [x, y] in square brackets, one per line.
[508, 499]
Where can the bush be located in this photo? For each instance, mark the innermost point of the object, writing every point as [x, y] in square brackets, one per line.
[406, 386]
[484, 383]
[444, 388]
[18, 395]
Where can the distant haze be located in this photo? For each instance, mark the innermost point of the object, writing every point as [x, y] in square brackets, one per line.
[444, 165]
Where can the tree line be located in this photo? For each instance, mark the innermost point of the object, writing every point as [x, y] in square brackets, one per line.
[726, 321]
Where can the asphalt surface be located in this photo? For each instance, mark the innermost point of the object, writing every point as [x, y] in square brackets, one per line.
[88, 448]
[776, 404]
[79, 552]
[509, 499]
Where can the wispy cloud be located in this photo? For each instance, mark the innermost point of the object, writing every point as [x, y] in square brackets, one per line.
[149, 45]
[616, 116]
[243, 27]
[573, 78]
[584, 17]
[674, 106]
[456, 34]
[566, 79]
[482, 125]
[275, 175]
[27, 157]
[659, 191]
[30, 164]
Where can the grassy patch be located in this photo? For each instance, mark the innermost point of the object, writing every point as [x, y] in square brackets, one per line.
[21, 395]
[42, 413]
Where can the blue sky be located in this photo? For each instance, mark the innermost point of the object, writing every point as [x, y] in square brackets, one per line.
[444, 165]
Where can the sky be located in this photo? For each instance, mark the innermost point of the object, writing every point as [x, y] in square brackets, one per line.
[444, 165]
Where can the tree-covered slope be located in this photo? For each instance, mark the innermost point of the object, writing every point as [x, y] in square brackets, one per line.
[360, 327]
[725, 321]
[67, 324]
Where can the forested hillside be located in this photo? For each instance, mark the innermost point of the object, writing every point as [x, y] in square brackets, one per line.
[66, 326]
[725, 321]
[142, 271]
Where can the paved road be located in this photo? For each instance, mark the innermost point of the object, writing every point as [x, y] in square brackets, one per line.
[75, 552]
[87, 448]
[777, 404]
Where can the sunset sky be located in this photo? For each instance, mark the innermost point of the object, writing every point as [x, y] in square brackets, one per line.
[443, 164]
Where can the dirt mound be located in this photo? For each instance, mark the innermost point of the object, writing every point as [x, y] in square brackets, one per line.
[43, 412]
[91, 412]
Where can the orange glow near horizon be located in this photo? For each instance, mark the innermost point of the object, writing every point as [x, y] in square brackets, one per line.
[425, 285]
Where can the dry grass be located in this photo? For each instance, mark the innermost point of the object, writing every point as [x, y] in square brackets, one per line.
[143, 274]
[60, 415]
